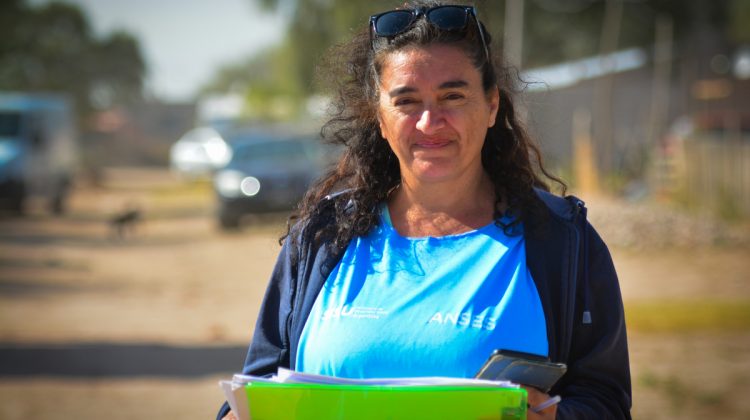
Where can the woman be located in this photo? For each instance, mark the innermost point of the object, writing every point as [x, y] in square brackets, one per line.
[434, 242]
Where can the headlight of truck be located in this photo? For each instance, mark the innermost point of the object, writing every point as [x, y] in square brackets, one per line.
[250, 186]
[232, 184]
[228, 183]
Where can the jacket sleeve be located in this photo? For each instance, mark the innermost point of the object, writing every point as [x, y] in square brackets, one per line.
[269, 348]
[597, 385]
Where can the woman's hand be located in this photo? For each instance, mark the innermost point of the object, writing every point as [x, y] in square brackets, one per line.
[537, 397]
[230, 416]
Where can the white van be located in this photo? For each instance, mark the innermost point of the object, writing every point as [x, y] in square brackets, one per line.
[38, 152]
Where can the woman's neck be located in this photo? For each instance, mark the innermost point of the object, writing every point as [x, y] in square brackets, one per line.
[440, 209]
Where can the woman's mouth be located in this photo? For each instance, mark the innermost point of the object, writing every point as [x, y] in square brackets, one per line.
[431, 144]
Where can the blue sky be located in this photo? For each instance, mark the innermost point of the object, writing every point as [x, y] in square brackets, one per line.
[186, 41]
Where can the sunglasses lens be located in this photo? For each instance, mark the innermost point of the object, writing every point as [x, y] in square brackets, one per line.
[393, 23]
[448, 18]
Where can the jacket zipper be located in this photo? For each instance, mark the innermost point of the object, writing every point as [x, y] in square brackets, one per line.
[579, 207]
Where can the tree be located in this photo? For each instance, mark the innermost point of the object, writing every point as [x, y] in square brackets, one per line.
[118, 71]
[51, 48]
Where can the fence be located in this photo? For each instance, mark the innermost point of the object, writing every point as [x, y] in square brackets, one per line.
[713, 174]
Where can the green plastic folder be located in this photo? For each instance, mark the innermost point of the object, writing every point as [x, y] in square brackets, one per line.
[277, 401]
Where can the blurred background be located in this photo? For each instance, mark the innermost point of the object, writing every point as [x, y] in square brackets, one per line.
[150, 152]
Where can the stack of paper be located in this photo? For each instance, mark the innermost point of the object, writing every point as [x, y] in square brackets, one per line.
[292, 395]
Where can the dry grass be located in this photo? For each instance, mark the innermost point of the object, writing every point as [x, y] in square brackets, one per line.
[681, 317]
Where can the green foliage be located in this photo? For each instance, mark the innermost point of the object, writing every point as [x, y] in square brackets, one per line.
[277, 82]
[739, 16]
[315, 27]
[51, 48]
[269, 82]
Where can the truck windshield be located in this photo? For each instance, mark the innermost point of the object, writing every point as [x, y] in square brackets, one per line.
[10, 124]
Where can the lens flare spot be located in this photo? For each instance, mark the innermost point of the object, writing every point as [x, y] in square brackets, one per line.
[250, 186]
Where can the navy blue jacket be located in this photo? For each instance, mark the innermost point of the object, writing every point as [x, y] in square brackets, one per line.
[576, 281]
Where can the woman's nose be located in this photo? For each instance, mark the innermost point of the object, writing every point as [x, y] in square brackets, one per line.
[430, 121]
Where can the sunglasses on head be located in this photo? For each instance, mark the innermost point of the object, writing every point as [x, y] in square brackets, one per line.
[447, 18]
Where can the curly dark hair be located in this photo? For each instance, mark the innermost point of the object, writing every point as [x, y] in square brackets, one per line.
[368, 170]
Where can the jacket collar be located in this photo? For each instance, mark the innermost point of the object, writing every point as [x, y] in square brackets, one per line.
[566, 208]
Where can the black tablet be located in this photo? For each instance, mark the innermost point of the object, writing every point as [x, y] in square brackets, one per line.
[522, 368]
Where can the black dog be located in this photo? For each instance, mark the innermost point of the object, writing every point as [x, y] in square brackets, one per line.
[125, 221]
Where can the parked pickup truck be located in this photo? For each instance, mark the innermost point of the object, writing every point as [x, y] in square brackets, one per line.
[38, 152]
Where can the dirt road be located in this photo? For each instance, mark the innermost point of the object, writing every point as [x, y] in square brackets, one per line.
[176, 288]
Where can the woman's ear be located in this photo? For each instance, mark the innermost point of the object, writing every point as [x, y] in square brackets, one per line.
[494, 104]
[382, 127]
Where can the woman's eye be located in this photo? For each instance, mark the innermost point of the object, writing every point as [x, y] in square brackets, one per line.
[405, 101]
[454, 96]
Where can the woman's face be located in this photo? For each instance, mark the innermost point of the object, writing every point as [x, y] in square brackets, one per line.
[434, 113]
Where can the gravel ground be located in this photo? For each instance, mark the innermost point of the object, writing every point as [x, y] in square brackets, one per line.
[653, 225]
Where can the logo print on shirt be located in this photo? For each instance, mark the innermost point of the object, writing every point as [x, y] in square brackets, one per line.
[358, 312]
[464, 319]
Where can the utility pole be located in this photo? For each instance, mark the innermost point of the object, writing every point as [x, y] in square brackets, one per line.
[665, 169]
[604, 88]
[513, 36]
[662, 78]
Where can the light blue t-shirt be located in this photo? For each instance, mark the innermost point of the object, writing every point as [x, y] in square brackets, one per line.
[403, 307]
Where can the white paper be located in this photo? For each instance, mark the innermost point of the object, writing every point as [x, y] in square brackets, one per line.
[289, 376]
[236, 398]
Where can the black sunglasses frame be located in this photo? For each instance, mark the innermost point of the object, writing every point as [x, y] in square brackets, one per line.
[425, 11]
